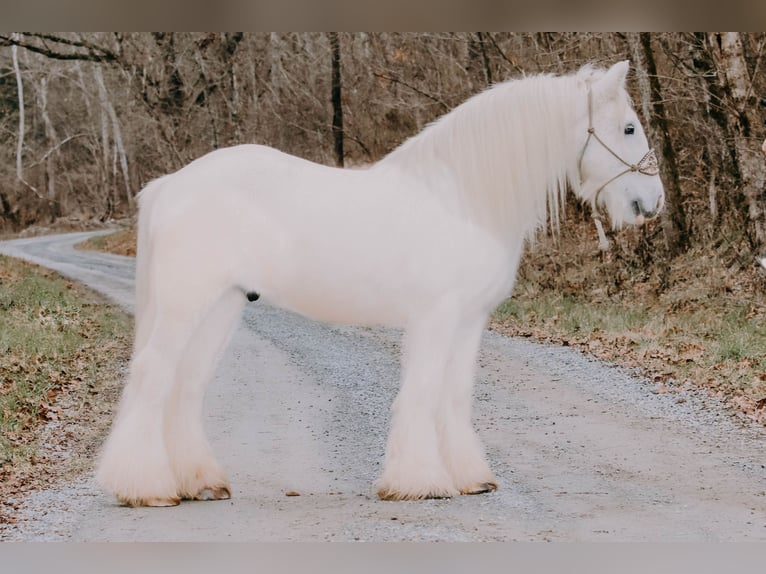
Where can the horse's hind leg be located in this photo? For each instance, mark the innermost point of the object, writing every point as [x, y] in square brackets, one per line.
[461, 448]
[198, 475]
[134, 463]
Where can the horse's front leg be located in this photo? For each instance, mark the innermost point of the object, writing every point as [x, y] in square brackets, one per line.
[462, 451]
[414, 467]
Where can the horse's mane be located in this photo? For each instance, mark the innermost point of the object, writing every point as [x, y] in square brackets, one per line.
[511, 150]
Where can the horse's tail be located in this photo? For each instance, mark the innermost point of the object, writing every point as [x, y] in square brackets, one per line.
[143, 258]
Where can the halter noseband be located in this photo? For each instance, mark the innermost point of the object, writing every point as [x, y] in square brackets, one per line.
[647, 165]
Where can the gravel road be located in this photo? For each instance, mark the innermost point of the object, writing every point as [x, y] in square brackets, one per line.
[583, 450]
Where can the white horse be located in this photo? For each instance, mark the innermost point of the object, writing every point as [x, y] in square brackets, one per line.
[428, 239]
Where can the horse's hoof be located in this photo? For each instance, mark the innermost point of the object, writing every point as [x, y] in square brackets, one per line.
[155, 502]
[395, 495]
[480, 488]
[213, 493]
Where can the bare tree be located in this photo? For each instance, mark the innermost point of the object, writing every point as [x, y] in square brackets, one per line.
[741, 106]
[655, 118]
[59, 47]
[53, 149]
[20, 91]
[337, 103]
[120, 152]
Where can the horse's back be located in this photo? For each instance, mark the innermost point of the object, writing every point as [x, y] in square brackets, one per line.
[242, 166]
[350, 246]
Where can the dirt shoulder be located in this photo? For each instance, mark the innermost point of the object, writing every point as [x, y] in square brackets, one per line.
[65, 351]
[695, 322]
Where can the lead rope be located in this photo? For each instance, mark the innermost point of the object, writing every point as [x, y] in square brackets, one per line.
[647, 165]
[603, 242]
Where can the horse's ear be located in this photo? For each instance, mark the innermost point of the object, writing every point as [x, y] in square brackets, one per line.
[614, 78]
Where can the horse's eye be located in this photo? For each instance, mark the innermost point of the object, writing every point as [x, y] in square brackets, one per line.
[630, 129]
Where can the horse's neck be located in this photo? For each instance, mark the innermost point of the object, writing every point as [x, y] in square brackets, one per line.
[508, 151]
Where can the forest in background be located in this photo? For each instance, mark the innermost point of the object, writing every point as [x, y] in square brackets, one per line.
[86, 119]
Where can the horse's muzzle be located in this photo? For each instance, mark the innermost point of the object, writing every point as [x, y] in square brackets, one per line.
[640, 211]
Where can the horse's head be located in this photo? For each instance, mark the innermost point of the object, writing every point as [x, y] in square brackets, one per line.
[618, 170]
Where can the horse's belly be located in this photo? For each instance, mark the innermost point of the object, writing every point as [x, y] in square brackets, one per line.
[359, 274]
[328, 306]
[338, 286]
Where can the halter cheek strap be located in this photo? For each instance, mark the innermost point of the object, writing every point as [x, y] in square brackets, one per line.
[647, 165]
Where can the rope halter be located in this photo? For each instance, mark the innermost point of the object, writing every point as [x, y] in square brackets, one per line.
[647, 165]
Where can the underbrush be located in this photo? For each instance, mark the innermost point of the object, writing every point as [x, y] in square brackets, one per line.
[122, 242]
[699, 322]
[61, 352]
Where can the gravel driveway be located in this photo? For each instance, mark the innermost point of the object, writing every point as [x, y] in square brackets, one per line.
[583, 450]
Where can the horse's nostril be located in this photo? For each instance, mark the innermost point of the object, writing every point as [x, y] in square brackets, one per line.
[638, 210]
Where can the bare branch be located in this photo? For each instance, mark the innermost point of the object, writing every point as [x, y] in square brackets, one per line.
[503, 55]
[413, 88]
[39, 43]
[56, 148]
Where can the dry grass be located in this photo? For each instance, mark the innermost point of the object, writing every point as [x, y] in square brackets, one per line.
[62, 352]
[699, 323]
[121, 242]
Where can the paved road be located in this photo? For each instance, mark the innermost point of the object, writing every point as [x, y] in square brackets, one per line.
[582, 450]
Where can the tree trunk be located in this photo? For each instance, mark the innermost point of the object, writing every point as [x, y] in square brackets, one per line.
[729, 56]
[173, 97]
[50, 157]
[205, 98]
[652, 107]
[106, 104]
[337, 104]
[20, 181]
[20, 90]
[485, 58]
[275, 66]
[715, 153]
[231, 43]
